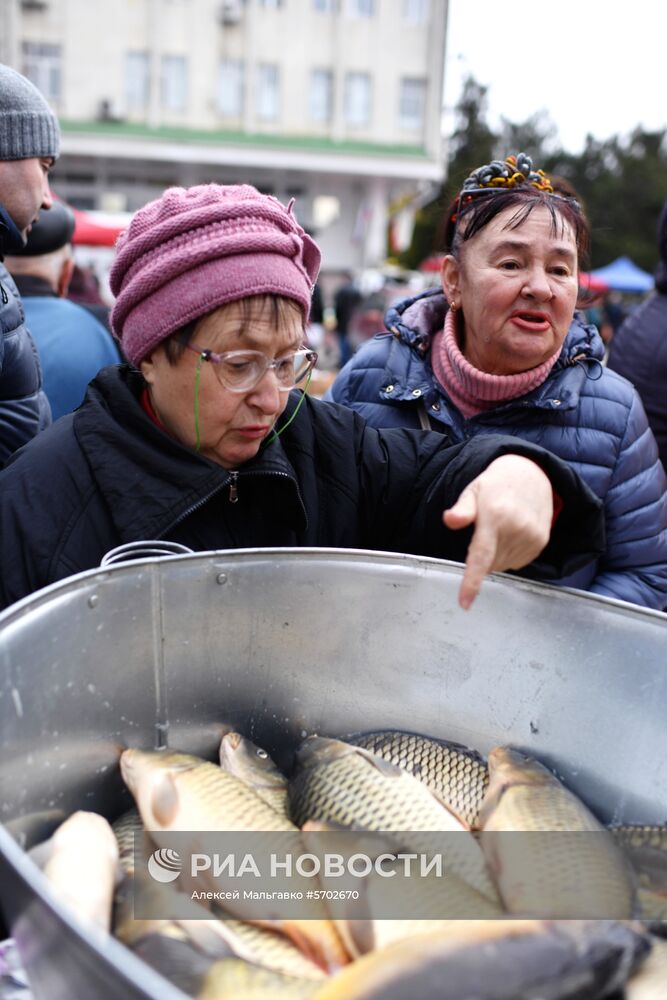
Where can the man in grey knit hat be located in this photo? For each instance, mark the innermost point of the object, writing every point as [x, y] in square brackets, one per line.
[29, 145]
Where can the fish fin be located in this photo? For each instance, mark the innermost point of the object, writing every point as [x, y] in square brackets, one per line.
[385, 767]
[164, 799]
[224, 728]
[356, 924]
[229, 742]
[492, 797]
[323, 826]
[357, 935]
[464, 750]
[210, 937]
[319, 941]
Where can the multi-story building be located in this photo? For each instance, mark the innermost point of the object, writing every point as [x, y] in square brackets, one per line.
[336, 103]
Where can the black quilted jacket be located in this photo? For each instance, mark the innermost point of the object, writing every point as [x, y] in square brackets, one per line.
[106, 475]
[24, 409]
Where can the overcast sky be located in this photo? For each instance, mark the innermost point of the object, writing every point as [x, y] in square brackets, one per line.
[598, 67]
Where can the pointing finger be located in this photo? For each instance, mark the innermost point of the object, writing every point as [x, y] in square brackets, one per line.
[479, 562]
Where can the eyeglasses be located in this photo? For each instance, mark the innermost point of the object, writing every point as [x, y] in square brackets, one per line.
[241, 371]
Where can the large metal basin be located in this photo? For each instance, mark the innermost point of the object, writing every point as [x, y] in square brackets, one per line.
[282, 643]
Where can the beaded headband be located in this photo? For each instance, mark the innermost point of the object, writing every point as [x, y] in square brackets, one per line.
[508, 173]
[501, 175]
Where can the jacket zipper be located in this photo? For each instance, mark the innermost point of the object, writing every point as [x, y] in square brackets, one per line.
[191, 510]
[284, 475]
[232, 483]
[3, 295]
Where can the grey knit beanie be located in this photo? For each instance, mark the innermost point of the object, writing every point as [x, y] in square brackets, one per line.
[28, 127]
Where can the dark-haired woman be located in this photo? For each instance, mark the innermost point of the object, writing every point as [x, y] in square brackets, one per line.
[498, 349]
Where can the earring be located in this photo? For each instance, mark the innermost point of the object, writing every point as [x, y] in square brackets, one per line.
[452, 306]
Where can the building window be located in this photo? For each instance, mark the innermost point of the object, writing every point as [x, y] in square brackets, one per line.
[357, 99]
[327, 6]
[268, 92]
[42, 64]
[174, 83]
[320, 97]
[416, 11]
[411, 109]
[136, 80]
[231, 88]
[361, 8]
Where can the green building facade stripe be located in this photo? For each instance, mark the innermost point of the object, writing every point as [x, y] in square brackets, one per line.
[313, 144]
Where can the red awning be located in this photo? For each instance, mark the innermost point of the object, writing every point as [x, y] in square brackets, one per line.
[432, 264]
[89, 232]
[588, 283]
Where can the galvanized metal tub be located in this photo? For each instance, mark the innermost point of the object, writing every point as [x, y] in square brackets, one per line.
[282, 643]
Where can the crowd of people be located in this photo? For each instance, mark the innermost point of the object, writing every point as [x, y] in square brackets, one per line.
[481, 426]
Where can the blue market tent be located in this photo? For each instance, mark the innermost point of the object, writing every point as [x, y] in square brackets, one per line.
[622, 275]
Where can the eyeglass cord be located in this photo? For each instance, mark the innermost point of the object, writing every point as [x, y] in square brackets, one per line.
[274, 434]
[200, 359]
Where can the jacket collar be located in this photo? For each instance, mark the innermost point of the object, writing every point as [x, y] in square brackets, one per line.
[29, 285]
[415, 320]
[409, 378]
[11, 238]
[149, 480]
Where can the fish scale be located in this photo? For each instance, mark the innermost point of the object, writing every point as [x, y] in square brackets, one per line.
[264, 946]
[234, 977]
[547, 851]
[456, 774]
[124, 829]
[340, 783]
[349, 790]
[539, 809]
[180, 792]
[641, 835]
[646, 849]
[227, 803]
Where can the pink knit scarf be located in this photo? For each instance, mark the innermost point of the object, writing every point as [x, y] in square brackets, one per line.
[470, 389]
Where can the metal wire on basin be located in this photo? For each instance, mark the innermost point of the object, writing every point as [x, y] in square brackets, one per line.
[144, 549]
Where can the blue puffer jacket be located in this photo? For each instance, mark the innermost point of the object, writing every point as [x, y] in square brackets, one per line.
[585, 414]
[24, 409]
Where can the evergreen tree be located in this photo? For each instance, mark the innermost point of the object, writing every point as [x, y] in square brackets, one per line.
[471, 143]
[621, 182]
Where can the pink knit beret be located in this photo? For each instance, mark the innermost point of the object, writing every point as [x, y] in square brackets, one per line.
[195, 249]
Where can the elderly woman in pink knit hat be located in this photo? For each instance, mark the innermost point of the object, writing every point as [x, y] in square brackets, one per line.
[207, 438]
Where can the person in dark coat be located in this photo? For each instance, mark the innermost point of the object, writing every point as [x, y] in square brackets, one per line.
[498, 350]
[84, 289]
[72, 345]
[29, 145]
[205, 440]
[639, 349]
[347, 298]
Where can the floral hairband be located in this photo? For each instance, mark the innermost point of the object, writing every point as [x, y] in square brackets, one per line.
[507, 174]
[501, 175]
